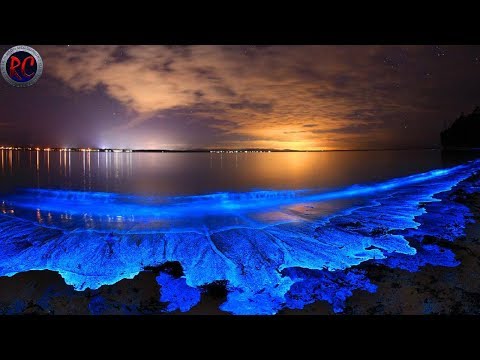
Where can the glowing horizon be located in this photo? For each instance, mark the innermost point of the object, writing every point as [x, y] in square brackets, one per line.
[275, 97]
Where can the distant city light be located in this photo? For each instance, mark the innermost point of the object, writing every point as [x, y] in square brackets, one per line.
[65, 149]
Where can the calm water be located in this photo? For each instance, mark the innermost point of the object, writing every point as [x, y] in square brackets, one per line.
[203, 173]
[86, 216]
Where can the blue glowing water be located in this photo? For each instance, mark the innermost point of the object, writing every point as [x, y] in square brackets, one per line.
[275, 249]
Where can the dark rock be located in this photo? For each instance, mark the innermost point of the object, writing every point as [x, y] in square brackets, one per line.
[216, 290]
[173, 268]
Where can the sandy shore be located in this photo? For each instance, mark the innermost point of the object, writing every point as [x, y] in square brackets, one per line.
[432, 290]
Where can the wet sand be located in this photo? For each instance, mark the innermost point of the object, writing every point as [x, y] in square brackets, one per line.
[431, 290]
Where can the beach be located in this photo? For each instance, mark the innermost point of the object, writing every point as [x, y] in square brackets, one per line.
[429, 290]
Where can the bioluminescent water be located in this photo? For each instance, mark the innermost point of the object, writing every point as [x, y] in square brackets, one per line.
[275, 249]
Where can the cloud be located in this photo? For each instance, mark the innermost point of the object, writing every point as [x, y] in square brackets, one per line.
[274, 96]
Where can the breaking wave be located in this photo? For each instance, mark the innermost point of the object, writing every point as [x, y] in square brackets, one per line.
[275, 249]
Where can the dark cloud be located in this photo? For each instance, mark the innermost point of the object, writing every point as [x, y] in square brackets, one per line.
[316, 97]
[260, 107]
[223, 90]
[352, 129]
[167, 65]
[120, 54]
[206, 73]
[295, 132]
[199, 93]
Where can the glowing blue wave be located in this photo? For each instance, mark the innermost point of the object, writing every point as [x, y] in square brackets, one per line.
[275, 248]
[98, 203]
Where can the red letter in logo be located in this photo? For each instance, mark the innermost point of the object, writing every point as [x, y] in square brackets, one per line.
[14, 63]
[24, 64]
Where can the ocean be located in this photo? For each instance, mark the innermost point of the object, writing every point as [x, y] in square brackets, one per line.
[282, 229]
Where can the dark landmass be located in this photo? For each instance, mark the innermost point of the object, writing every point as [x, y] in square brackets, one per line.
[431, 290]
[463, 133]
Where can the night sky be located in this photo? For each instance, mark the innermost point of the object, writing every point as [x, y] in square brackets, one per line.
[283, 97]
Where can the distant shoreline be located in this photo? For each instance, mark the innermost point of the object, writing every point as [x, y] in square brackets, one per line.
[22, 148]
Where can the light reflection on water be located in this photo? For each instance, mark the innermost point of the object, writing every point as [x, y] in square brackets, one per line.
[178, 174]
[220, 210]
[262, 243]
[109, 215]
[202, 173]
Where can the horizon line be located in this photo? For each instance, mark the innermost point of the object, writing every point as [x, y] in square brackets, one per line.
[216, 150]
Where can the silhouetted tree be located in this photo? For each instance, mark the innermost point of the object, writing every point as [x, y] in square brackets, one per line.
[464, 132]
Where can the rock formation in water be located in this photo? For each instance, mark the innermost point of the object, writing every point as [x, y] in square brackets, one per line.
[463, 133]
